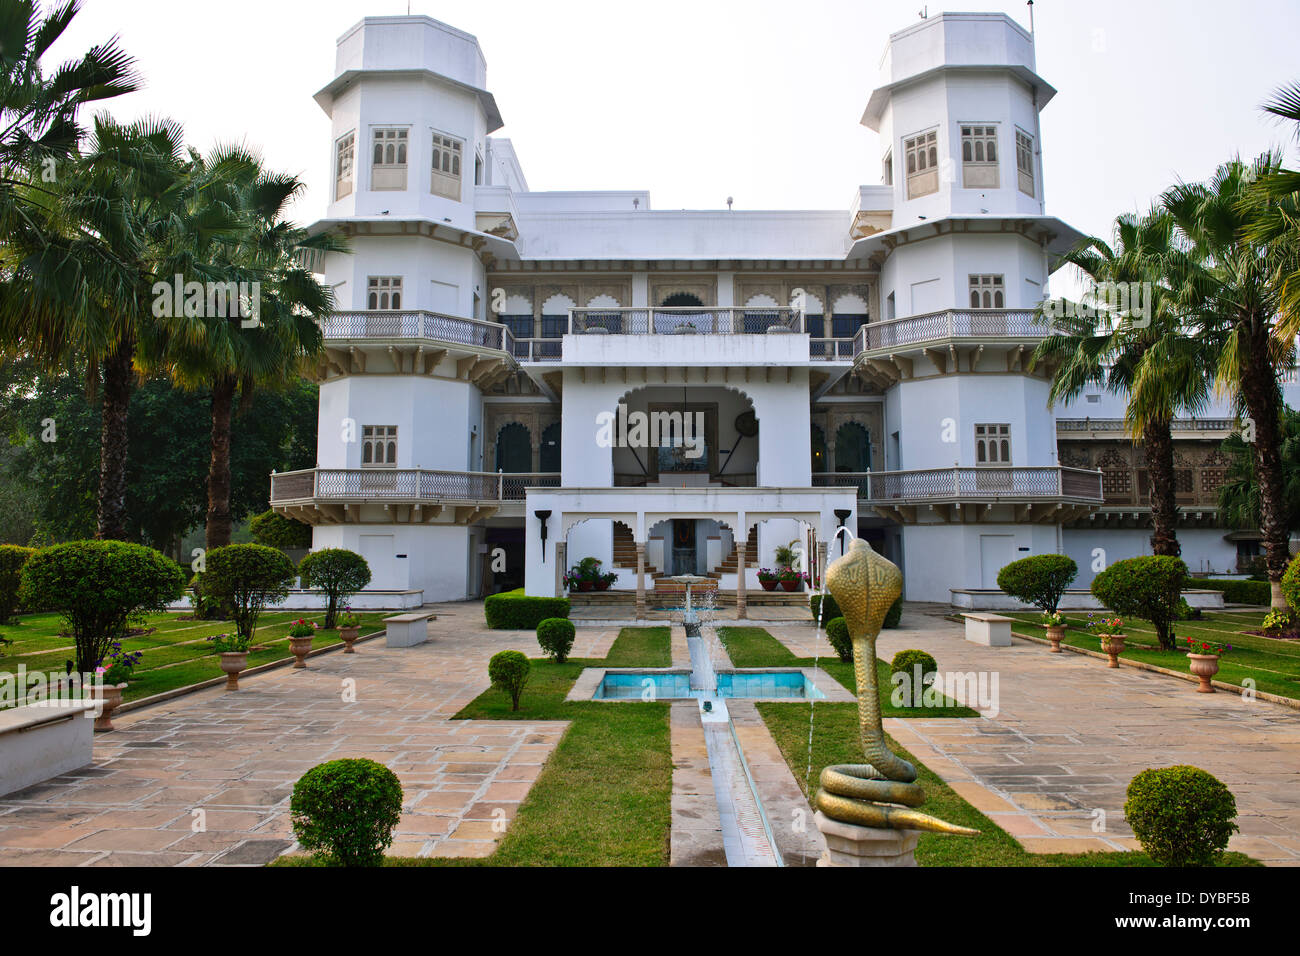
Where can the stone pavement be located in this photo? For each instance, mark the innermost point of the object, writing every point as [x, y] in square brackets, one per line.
[205, 778]
[1069, 734]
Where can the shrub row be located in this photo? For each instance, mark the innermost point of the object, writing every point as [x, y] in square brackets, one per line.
[1234, 592]
[516, 611]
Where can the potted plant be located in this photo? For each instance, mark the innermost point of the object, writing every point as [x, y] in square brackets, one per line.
[606, 580]
[584, 575]
[349, 628]
[1055, 625]
[113, 673]
[233, 649]
[768, 579]
[301, 632]
[1203, 661]
[790, 579]
[1111, 632]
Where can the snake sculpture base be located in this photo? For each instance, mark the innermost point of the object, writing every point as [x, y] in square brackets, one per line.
[865, 585]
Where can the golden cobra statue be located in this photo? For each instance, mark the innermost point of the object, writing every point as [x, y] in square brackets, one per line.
[865, 585]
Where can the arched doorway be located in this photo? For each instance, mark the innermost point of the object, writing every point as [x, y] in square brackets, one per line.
[514, 449]
[550, 457]
[675, 320]
[852, 448]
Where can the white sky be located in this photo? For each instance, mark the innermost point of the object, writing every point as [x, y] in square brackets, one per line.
[700, 100]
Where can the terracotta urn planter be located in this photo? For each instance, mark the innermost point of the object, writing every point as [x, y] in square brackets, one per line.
[1113, 644]
[1204, 666]
[585, 585]
[300, 647]
[768, 585]
[110, 696]
[790, 585]
[349, 637]
[602, 585]
[233, 662]
[1054, 634]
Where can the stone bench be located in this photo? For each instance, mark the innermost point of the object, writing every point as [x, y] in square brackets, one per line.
[42, 740]
[990, 630]
[407, 630]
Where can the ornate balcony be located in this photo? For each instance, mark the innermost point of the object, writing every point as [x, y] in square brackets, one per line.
[417, 342]
[952, 340]
[401, 495]
[1031, 494]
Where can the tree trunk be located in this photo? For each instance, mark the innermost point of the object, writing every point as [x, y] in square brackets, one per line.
[1259, 393]
[113, 452]
[1164, 504]
[218, 529]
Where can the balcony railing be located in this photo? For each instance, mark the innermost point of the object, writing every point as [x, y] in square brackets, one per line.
[684, 321]
[418, 325]
[973, 484]
[1118, 425]
[949, 324]
[404, 484]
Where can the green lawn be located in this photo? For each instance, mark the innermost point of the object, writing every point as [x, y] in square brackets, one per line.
[176, 652]
[755, 647]
[1273, 664]
[604, 797]
[835, 740]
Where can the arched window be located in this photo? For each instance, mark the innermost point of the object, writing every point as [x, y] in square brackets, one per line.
[514, 449]
[852, 448]
[818, 450]
[551, 448]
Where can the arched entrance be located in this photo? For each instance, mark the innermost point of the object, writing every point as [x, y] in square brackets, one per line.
[852, 448]
[514, 449]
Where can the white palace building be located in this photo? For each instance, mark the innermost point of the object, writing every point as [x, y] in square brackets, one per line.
[863, 366]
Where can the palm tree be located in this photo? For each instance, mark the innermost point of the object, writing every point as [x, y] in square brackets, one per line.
[1232, 299]
[1278, 222]
[1239, 494]
[122, 218]
[235, 356]
[1111, 351]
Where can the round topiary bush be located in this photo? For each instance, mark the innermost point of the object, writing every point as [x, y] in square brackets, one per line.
[905, 662]
[837, 635]
[1149, 587]
[1039, 580]
[345, 810]
[245, 578]
[1291, 584]
[12, 559]
[99, 588]
[276, 531]
[1183, 816]
[555, 634]
[336, 571]
[508, 671]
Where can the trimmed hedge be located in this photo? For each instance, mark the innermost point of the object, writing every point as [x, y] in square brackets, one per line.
[346, 810]
[1040, 579]
[516, 611]
[1148, 587]
[555, 635]
[832, 611]
[1234, 592]
[1181, 815]
[12, 559]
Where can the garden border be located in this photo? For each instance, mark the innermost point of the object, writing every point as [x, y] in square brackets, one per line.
[1272, 698]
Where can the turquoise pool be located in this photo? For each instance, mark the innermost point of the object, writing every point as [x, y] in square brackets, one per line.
[776, 685]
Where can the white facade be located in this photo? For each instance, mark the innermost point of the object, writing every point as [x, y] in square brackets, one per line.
[484, 329]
